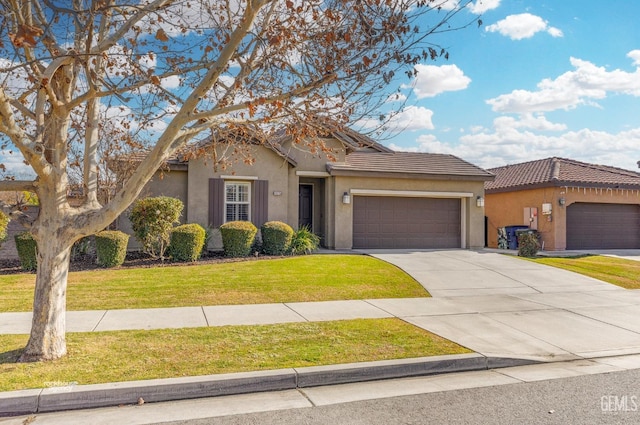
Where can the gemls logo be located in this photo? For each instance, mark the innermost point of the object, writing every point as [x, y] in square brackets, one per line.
[615, 403]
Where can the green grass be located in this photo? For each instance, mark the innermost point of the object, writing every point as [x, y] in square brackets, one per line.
[135, 355]
[618, 271]
[304, 278]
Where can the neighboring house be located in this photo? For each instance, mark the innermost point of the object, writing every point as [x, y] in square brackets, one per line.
[367, 196]
[573, 205]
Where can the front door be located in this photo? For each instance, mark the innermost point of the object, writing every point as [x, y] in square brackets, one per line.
[305, 206]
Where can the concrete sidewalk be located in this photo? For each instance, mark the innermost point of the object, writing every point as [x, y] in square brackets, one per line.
[507, 310]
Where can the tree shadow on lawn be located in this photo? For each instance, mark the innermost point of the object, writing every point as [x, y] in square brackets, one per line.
[11, 356]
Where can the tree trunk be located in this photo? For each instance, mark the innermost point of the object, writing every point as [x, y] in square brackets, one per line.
[48, 327]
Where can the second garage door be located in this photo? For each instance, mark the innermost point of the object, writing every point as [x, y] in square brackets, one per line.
[396, 222]
[603, 226]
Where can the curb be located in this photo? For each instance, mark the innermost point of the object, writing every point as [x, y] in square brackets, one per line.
[72, 397]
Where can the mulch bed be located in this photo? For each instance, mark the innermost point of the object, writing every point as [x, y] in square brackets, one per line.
[133, 260]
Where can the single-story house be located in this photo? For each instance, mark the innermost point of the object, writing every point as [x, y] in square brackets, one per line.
[572, 204]
[364, 196]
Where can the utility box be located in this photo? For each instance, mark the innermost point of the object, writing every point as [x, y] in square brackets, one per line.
[531, 217]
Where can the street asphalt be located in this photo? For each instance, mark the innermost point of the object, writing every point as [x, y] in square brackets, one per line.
[509, 311]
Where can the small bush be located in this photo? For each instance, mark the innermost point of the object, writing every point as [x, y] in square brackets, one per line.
[304, 241]
[276, 237]
[4, 222]
[111, 248]
[187, 242]
[528, 244]
[27, 251]
[237, 238]
[152, 220]
[81, 248]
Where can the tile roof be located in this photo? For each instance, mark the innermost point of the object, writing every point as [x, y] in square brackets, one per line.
[408, 164]
[560, 172]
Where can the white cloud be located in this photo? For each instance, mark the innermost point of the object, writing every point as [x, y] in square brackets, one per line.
[446, 4]
[396, 97]
[15, 166]
[504, 144]
[481, 6]
[524, 25]
[537, 122]
[585, 84]
[433, 80]
[635, 55]
[412, 118]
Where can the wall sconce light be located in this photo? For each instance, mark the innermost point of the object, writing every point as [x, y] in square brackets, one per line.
[346, 198]
[562, 201]
[479, 202]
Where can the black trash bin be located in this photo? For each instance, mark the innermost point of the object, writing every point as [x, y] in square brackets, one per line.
[512, 235]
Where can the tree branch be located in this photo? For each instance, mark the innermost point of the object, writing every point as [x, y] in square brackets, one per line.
[17, 185]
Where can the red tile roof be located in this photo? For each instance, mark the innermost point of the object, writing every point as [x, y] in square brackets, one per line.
[560, 172]
[408, 164]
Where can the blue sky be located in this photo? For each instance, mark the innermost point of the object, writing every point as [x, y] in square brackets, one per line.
[537, 79]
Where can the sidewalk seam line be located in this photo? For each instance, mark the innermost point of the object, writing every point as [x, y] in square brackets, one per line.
[206, 319]
[99, 321]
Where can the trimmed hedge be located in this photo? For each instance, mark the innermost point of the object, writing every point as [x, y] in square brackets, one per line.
[187, 242]
[238, 237]
[111, 248]
[27, 251]
[4, 222]
[152, 220]
[276, 237]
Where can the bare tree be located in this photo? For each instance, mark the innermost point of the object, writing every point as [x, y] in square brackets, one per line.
[173, 71]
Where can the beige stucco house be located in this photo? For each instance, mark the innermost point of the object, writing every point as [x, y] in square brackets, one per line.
[572, 204]
[366, 196]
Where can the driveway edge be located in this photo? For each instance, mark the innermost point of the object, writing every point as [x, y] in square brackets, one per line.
[73, 397]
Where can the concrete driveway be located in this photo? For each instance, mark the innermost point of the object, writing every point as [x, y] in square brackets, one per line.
[502, 306]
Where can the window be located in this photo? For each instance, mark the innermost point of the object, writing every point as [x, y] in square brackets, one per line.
[237, 201]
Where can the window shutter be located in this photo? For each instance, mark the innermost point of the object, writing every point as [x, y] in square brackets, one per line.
[216, 202]
[260, 202]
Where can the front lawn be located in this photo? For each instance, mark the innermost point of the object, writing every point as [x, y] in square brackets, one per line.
[293, 279]
[618, 271]
[100, 357]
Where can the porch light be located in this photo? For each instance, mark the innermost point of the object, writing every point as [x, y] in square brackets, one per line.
[479, 202]
[562, 201]
[346, 198]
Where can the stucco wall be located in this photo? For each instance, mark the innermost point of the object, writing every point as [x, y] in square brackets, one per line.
[342, 223]
[268, 166]
[505, 209]
[308, 161]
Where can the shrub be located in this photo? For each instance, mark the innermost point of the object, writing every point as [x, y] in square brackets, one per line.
[237, 238]
[27, 251]
[187, 242]
[528, 244]
[304, 241]
[276, 237]
[152, 220]
[4, 222]
[81, 248]
[111, 247]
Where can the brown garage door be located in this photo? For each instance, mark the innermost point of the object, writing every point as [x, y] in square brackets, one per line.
[603, 226]
[394, 222]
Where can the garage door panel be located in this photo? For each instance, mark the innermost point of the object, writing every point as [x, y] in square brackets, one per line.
[406, 222]
[603, 226]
